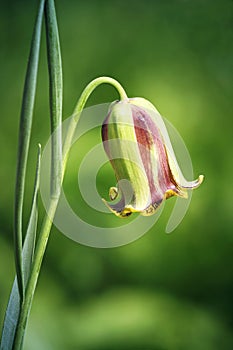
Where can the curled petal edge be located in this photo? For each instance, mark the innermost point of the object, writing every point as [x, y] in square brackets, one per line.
[126, 211]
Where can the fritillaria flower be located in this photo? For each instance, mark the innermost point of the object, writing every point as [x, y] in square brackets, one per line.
[136, 141]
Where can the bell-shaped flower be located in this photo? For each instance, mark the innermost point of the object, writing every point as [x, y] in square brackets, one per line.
[137, 143]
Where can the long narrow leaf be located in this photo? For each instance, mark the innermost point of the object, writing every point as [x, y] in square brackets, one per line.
[30, 240]
[13, 307]
[56, 94]
[24, 140]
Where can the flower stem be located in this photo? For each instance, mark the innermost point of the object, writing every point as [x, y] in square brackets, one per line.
[81, 104]
[91, 87]
[38, 256]
[48, 219]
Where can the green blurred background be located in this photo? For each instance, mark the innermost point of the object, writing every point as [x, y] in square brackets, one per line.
[163, 291]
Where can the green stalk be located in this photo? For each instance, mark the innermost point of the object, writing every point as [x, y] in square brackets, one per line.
[13, 307]
[81, 104]
[23, 144]
[91, 87]
[47, 222]
[39, 253]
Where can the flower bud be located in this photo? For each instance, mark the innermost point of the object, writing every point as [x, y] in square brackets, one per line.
[136, 141]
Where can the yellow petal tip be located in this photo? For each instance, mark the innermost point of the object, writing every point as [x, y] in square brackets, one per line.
[201, 179]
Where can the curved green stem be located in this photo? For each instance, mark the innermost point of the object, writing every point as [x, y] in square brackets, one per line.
[91, 87]
[80, 106]
[48, 219]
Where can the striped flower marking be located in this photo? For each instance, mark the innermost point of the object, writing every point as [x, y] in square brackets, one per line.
[136, 141]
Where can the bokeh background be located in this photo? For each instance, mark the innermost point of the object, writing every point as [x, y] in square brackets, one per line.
[163, 291]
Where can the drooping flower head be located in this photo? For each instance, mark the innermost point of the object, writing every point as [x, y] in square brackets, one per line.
[137, 143]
